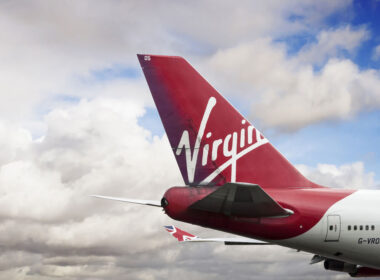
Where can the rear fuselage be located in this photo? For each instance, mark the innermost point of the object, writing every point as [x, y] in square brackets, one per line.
[335, 223]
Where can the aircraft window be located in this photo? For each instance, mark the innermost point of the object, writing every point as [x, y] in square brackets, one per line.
[349, 227]
[361, 227]
[372, 227]
[331, 227]
[366, 227]
[355, 227]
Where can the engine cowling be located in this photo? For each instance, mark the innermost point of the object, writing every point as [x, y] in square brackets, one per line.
[340, 266]
[354, 270]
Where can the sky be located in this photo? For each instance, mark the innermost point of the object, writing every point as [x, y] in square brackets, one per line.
[77, 118]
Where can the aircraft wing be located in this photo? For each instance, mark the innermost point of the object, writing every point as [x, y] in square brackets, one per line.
[241, 200]
[130, 200]
[183, 236]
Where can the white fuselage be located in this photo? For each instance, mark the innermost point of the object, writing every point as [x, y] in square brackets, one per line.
[349, 231]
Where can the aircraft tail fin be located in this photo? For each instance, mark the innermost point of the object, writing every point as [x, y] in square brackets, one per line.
[212, 142]
[179, 234]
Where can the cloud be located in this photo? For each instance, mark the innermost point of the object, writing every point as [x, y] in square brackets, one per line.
[91, 147]
[51, 228]
[46, 46]
[376, 53]
[51, 50]
[348, 176]
[290, 94]
[331, 43]
[15, 144]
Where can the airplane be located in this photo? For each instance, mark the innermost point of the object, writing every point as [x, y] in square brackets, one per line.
[237, 182]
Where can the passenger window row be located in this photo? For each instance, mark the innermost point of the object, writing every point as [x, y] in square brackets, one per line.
[367, 227]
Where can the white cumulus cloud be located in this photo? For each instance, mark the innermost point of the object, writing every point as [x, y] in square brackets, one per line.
[290, 94]
[51, 228]
[330, 43]
[376, 53]
[348, 176]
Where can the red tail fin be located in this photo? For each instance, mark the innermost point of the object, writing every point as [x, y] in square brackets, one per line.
[211, 141]
[179, 234]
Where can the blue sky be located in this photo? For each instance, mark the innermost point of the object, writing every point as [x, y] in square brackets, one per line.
[365, 13]
[335, 143]
[358, 138]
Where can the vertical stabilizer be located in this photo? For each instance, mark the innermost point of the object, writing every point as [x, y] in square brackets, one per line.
[212, 142]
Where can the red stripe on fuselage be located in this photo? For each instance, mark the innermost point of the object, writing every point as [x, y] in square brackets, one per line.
[308, 205]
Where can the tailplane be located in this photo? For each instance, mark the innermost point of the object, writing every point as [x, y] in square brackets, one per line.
[183, 236]
[212, 142]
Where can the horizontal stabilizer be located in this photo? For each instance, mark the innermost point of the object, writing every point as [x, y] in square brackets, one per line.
[135, 201]
[241, 200]
[183, 236]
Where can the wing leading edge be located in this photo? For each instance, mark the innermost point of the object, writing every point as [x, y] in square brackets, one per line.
[130, 200]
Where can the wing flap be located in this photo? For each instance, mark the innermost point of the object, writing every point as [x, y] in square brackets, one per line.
[241, 200]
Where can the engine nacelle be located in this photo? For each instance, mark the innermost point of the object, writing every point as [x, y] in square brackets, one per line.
[340, 266]
[352, 269]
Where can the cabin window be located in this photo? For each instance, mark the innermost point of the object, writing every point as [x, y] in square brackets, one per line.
[366, 227]
[331, 227]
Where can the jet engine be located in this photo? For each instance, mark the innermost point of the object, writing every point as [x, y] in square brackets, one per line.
[354, 270]
[340, 266]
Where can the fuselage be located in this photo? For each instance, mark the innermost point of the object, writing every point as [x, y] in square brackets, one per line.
[334, 223]
[348, 231]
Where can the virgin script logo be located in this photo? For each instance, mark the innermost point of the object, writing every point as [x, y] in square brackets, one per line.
[226, 147]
